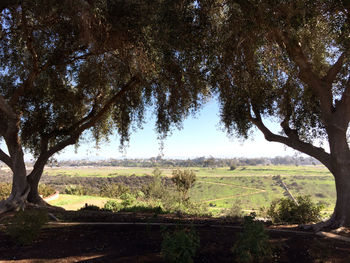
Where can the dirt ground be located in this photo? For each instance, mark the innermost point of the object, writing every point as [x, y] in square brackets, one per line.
[130, 242]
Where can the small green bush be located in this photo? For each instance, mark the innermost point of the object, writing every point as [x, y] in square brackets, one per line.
[155, 189]
[285, 210]
[5, 190]
[46, 190]
[25, 226]
[128, 199]
[89, 207]
[183, 181]
[180, 246]
[235, 211]
[253, 243]
[143, 209]
[78, 190]
[233, 167]
[114, 190]
[112, 205]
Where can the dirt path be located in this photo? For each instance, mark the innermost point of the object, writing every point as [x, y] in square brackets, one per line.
[257, 191]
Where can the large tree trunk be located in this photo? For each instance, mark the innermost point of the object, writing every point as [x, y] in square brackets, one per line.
[33, 180]
[24, 188]
[20, 186]
[340, 168]
[341, 215]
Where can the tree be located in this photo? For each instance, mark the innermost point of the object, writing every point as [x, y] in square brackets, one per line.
[288, 61]
[183, 181]
[73, 68]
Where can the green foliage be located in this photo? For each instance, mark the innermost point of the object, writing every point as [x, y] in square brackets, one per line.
[155, 189]
[285, 210]
[78, 190]
[235, 211]
[46, 190]
[233, 167]
[144, 209]
[180, 246]
[128, 199]
[183, 181]
[25, 226]
[89, 207]
[114, 190]
[253, 243]
[112, 206]
[5, 190]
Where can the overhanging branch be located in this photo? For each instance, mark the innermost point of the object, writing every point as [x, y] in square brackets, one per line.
[6, 159]
[334, 70]
[322, 89]
[73, 133]
[293, 142]
[6, 109]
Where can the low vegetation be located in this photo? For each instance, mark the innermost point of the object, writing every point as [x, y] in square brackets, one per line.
[26, 225]
[180, 245]
[253, 242]
[218, 191]
[302, 211]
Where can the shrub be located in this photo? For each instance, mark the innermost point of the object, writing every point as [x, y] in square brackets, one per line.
[235, 211]
[114, 190]
[143, 209]
[89, 207]
[127, 199]
[25, 226]
[5, 190]
[46, 190]
[155, 189]
[252, 244]
[285, 210]
[112, 205]
[183, 181]
[180, 246]
[78, 190]
[233, 167]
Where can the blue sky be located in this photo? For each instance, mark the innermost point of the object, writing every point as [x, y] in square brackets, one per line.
[200, 136]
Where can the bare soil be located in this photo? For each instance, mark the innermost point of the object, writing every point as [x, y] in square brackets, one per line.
[139, 237]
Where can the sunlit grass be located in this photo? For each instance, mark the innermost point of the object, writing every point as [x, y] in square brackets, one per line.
[253, 186]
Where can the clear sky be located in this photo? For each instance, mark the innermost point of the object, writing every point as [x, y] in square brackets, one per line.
[200, 136]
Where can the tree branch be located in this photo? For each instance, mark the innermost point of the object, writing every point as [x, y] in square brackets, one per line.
[78, 128]
[342, 107]
[293, 142]
[36, 70]
[334, 70]
[6, 159]
[322, 89]
[6, 109]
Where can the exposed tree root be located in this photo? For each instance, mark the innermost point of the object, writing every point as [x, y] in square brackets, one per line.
[13, 204]
[330, 224]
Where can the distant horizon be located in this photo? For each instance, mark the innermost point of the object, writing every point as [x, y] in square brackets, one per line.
[201, 135]
[185, 158]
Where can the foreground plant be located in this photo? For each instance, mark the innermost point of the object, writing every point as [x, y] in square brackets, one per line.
[180, 246]
[303, 211]
[253, 243]
[25, 226]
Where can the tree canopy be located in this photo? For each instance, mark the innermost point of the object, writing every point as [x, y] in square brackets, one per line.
[73, 66]
[287, 61]
[67, 67]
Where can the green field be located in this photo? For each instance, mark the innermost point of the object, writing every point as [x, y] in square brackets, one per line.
[200, 171]
[74, 202]
[252, 186]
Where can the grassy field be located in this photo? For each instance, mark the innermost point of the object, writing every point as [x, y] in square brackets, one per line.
[74, 202]
[252, 186]
[269, 170]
